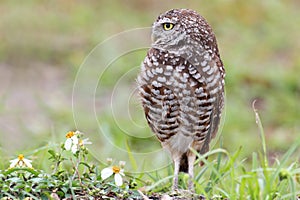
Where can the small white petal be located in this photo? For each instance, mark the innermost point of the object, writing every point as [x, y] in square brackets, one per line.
[68, 144]
[106, 172]
[27, 162]
[74, 139]
[118, 180]
[13, 163]
[122, 163]
[86, 141]
[74, 148]
[122, 172]
[21, 163]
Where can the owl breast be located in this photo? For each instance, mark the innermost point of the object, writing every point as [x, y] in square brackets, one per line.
[179, 98]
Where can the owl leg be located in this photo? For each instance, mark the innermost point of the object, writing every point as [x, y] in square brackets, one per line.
[191, 161]
[176, 172]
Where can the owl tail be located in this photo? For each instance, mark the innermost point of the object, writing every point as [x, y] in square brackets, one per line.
[184, 164]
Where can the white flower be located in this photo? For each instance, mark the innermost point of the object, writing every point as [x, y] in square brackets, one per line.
[20, 162]
[72, 141]
[117, 171]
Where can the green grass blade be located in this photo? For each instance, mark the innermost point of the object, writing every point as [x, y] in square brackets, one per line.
[262, 135]
[131, 157]
[284, 159]
[159, 182]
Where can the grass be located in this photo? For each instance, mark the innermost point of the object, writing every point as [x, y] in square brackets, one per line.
[229, 177]
[225, 175]
[259, 50]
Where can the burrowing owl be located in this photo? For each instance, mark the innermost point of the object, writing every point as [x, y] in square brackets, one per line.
[182, 86]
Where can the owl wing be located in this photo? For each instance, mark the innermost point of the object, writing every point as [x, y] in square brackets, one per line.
[160, 103]
[161, 110]
[204, 107]
[217, 104]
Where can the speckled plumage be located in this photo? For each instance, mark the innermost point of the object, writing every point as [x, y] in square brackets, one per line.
[182, 86]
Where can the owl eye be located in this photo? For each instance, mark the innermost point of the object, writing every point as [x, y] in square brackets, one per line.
[168, 26]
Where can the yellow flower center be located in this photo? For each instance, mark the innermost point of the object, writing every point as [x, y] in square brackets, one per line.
[116, 169]
[20, 156]
[70, 134]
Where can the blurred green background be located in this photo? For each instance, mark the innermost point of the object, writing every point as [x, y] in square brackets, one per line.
[44, 43]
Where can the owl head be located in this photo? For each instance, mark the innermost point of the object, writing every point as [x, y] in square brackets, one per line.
[181, 28]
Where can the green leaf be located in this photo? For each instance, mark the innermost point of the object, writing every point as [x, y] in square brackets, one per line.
[52, 153]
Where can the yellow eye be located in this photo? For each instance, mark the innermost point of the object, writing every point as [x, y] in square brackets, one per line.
[168, 26]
